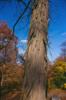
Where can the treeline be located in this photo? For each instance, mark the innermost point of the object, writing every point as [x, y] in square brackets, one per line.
[57, 71]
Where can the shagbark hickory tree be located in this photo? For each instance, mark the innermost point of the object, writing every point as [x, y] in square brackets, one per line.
[36, 56]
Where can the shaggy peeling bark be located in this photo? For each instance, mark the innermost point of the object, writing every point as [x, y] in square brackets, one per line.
[36, 62]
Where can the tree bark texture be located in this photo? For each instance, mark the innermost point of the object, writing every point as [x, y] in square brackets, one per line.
[36, 57]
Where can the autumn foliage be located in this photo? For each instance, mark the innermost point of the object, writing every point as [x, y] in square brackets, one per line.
[57, 74]
[4, 29]
[11, 74]
[8, 43]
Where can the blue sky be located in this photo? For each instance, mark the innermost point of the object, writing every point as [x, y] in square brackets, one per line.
[9, 13]
[57, 26]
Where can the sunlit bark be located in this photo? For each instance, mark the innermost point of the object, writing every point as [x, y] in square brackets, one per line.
[36, 62]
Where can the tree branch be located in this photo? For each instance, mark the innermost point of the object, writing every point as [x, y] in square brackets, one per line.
[21, 15]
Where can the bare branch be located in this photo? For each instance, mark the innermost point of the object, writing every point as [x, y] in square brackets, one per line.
[21, 15]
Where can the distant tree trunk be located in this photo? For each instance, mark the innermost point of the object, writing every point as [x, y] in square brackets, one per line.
[36, 63]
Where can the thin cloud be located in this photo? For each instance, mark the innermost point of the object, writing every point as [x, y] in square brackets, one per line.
[23, 41]
[22, 45]
[21, 51]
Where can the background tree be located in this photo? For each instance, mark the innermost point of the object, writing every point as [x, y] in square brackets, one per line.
[7, 55]
[7, 44]
[57, 74]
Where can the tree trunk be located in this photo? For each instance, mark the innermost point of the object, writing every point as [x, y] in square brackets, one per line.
[36, 63]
